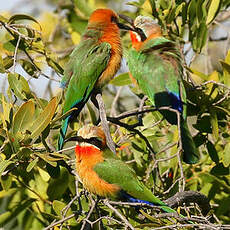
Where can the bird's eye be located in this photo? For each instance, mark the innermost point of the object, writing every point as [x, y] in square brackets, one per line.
[113, 19]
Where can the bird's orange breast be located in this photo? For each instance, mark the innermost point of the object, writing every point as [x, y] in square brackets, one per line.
[111, 35]
[86, 158]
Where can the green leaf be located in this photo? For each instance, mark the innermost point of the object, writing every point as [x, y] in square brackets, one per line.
[2, 68]
[199, 74]
[201, 37]
[6, 182]
[20, 208]
[214, 123]
[9, 46]
[213, 9]
[4, 216]
[43, 119]
[58, 207]
[4, 193]
[226, 155]
[226, 70]
[83, 7]
[57, 187]
[47, 158]
[212, 152]
[4, 164]
[220, 170]
[77, 23]
[17, 17]
[8, 62]
[54, 65]
[121, 80]
[23, 117]
[3, 19]
[19, 86]
[32, 164]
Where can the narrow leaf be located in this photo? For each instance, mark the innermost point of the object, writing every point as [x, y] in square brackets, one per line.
[226, 156]
[43, 119]
[4, 164]
[212, 11]
[32, 164]
[19, 85]
[17, 17]
[23, 117]
[121, 80]
[214, 123]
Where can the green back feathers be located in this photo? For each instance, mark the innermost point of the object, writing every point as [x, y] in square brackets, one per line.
[85, 69]
[115, 171]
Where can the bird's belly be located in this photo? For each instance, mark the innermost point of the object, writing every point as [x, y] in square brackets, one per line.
[94, 184]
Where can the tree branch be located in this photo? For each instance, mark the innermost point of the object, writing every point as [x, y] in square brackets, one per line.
[189, 197]
[104, 123]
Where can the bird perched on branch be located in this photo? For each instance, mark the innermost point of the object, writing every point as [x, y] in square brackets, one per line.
[104, 174]
[92, 64]
[155, 64]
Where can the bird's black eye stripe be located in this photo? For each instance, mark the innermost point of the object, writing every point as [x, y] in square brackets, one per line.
[141, 33]
[95, 141]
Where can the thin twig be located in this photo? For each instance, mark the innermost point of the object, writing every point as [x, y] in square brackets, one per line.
[118, 214]
[93, 204]
[59, 222]
[15, 53]
[104, 123]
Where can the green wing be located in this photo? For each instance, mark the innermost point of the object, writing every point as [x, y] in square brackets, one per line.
[115, 171]
[86, 64]
[157, 71]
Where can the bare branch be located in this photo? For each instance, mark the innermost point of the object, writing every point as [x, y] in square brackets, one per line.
[189, 197]
[118, 214]
[104, 123]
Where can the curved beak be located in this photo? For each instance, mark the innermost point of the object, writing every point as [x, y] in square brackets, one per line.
[127, 19]
[134, 28]
[123, 26]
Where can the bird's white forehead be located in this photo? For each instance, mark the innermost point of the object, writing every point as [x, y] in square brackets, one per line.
[87, 132]
[144, 20]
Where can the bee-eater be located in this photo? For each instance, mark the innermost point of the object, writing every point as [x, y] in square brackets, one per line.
[156, 65]
[104, 174]
[92, 64]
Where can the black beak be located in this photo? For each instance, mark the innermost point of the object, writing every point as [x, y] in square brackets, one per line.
[135, 29]
[124, 27]
[127, 19]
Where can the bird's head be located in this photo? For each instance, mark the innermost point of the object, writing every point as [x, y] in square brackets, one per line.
[106, 18]
[143, 27]
[91, 136]
[147, 25]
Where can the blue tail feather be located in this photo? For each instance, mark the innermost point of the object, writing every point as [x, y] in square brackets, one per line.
[176, 102]
[63, 132]
[131, 199]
